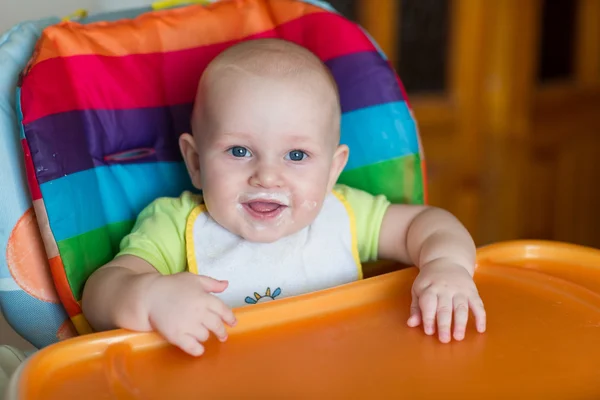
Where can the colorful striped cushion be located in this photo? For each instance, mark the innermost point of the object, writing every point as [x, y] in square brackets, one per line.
[102, 106]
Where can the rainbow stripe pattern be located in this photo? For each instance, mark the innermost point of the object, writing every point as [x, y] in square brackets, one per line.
[101, 106]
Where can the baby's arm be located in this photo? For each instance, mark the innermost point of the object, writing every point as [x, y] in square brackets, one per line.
[441, 247]
[129, 293]
[113, 294]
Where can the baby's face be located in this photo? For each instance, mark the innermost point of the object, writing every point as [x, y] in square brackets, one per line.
[268, 154]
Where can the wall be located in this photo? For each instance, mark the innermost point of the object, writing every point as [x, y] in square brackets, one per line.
[14, 11]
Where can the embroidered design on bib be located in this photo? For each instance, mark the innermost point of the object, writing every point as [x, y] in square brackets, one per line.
[268, 296]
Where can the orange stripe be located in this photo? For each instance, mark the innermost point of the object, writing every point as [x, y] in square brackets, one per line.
[62, 287]
[170, 30]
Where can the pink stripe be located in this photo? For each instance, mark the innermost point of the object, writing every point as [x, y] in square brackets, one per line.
[162, 79]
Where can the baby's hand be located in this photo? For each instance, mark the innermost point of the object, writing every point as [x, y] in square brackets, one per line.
[183, 310]
[443, 288]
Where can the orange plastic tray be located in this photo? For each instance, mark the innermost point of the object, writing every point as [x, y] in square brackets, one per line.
[543, 342]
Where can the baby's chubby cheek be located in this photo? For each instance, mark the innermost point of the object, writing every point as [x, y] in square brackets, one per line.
[308, 205]
[307, 210]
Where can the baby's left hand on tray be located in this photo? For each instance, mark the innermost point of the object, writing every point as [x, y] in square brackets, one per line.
[441, 291]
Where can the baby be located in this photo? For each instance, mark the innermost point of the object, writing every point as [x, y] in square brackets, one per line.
[272, 222]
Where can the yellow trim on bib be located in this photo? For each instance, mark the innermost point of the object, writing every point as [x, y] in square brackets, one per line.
[353, 232]
[189, 238]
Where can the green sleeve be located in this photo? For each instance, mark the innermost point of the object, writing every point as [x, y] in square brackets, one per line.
[158, 235]
[368, 213]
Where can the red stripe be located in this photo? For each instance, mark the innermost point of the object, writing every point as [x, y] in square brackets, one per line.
[163, 79]
[34, 187]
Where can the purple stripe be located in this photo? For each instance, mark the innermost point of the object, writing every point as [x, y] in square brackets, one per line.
[69, 142]
[65, 143]
[364, 79]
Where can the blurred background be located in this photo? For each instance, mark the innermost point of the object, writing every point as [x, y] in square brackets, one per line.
[507, 97]
[506, 94]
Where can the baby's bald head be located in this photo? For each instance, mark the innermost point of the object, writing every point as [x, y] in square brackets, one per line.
[266, 121]
[269, 57]
[272, 59]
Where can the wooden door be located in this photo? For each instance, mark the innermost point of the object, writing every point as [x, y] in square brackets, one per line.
[435, 46]
[564, 131]
[507, 98]
[542, 122]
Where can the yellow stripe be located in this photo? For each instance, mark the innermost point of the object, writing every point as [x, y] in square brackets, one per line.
[189, 238]
[81, 324]
[159, 5]
[353, 232]
[77, 15]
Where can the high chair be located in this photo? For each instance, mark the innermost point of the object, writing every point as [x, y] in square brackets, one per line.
[92, 107]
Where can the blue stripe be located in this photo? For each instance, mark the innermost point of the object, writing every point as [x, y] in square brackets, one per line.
[16, 199]
[19, 110]
[379, 133]
[321, 4]
[91, 199]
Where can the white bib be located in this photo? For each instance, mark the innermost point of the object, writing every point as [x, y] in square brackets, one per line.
[322, 255]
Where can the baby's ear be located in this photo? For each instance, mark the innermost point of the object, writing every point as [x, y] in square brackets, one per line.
[187, 146]
[340, 158]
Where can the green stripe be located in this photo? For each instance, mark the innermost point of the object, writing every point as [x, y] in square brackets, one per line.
[83, 254]
[400, 179]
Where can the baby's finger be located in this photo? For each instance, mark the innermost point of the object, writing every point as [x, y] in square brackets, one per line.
[214, 323]
[461, 316]
[415, 312]
[201, 333]
[428, 306]
[479, 313]
[218, 307]
[444, 317]
[187, 343]
[212, 285]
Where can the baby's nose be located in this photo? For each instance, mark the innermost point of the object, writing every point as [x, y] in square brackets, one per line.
[266, 176]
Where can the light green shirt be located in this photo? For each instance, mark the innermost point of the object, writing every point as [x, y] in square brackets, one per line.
[158, 235]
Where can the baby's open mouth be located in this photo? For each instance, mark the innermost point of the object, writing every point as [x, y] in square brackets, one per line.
[264, 209]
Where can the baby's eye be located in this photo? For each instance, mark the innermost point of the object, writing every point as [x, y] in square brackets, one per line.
[239, 151]
[296, 155]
